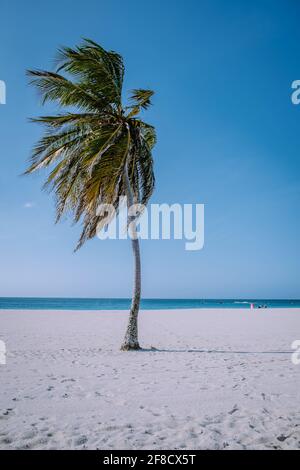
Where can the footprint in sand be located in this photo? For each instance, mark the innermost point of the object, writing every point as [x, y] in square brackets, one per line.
[81, 440]
[234, 409]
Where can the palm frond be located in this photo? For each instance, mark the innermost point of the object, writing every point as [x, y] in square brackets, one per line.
[54, 87]
[88, 148]
[92, 64]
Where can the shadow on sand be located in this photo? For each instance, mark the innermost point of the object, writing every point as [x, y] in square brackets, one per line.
[211, 351]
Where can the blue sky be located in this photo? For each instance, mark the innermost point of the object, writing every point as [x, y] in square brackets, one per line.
[227, 137]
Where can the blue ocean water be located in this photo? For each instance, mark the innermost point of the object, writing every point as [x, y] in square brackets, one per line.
[35, 303]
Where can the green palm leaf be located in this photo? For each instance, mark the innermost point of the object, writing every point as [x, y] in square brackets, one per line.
[89, 146]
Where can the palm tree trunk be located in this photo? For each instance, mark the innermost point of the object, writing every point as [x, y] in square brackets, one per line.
[131, 336]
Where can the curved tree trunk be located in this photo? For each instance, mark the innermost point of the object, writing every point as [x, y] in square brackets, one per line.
[131, 336]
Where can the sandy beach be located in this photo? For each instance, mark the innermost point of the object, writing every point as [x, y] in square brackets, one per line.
[218, 379]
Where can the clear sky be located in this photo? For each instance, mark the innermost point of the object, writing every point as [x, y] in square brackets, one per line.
[228, 137]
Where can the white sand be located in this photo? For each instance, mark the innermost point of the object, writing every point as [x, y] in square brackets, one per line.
[220, 379]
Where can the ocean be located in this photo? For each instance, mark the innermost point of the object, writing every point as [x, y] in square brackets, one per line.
[51, 303]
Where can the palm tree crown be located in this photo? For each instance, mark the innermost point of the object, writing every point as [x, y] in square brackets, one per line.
[97, 147]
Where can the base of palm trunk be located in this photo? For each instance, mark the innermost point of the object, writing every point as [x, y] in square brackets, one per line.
[130, 347]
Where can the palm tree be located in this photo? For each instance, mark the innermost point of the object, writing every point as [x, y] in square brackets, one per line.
[99, 150]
